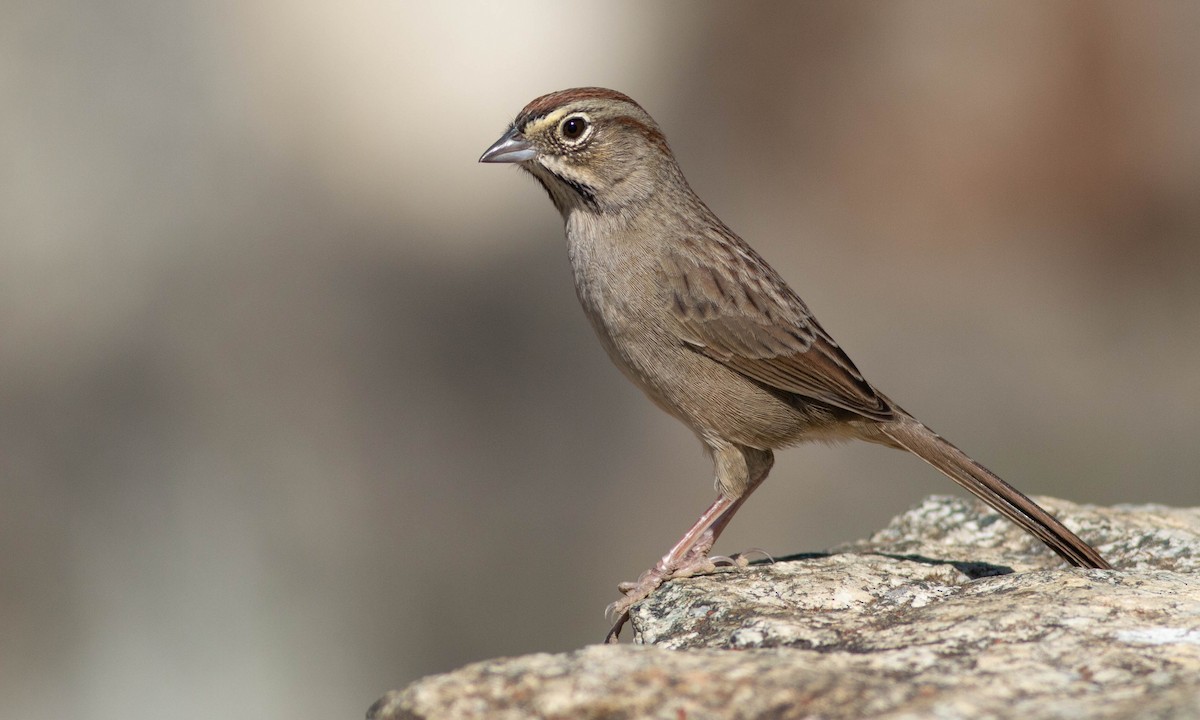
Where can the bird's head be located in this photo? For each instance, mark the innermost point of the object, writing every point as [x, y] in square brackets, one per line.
[593, 149]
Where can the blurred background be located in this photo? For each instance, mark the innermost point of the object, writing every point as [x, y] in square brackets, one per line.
[296, 400]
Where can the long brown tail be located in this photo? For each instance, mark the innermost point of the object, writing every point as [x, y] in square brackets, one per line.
[911, 435]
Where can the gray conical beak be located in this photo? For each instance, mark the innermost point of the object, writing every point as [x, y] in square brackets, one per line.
[512, 147]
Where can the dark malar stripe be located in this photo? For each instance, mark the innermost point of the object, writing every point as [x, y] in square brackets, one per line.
[586, 192]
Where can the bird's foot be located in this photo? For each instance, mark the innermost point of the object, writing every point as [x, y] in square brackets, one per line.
[696, 562]
[632, 593]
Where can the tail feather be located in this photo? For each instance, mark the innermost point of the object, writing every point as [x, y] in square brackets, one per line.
[911, 435]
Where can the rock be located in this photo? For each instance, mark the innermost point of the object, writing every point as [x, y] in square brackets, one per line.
[950, 611]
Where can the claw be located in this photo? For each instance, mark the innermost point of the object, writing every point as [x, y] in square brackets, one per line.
[611, 612]
[618, 614]
[634, 592]
[614, 633]
[742, 559]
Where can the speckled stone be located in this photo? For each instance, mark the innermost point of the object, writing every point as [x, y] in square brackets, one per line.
[949, 612]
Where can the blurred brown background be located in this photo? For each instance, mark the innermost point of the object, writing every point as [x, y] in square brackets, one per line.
[296, 402]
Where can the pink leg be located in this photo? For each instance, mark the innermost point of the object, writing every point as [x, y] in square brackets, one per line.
[686, 557]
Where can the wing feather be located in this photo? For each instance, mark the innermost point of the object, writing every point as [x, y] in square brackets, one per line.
[735, 308]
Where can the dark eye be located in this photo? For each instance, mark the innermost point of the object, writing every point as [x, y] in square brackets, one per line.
[574, 127]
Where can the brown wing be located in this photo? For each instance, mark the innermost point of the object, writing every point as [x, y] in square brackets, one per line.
[735, 308]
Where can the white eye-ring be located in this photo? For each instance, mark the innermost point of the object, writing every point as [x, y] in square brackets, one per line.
[574, 128]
